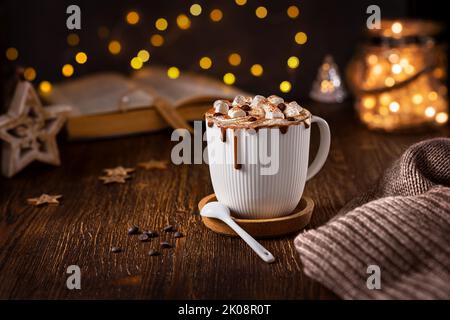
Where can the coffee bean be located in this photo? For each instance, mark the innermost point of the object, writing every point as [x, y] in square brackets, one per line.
[246, 107]
[165, 245]
[169, 228]
[178, 235]
[116, 250]
[252, 119]
[217, 114]
[133, 230]
[151, 234]
[281, 106]
[143, 237]
[153, 253]
[290, 119]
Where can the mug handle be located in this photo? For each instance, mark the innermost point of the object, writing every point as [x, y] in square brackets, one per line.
[324, 147]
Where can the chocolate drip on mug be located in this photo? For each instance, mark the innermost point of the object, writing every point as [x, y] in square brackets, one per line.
[223, 132]
[210, 124]
[284, 129]
[306, 124]
[237, 165]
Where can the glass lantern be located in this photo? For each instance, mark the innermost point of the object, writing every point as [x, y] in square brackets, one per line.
[398, 76]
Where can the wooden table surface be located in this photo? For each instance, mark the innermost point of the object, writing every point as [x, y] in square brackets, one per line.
[38, 244]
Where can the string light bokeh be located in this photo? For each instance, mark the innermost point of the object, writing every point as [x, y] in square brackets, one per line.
[161, 30]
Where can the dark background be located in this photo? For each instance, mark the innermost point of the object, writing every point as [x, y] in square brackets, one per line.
[38, 30]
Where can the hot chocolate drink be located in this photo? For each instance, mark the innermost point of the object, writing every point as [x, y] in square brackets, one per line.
[258, 150]
[257, 112]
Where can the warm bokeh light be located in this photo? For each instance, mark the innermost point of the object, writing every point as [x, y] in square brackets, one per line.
[216, 15]
[45, 87]
[81, 57]
[438, 73]
[285, 86]
[377, 69]
[430, 111]
[114, 47]
[383, 111]
[234, 59]
[433, 95]
[396, 68]
[157, 40]
[173, 72]
[409, 69]
[293, 12]
[301, 38]
[389, 81]
[136, 63]
[161, 24]
[396, 27]
[404, 62]
[256, 70]
[367, 117]
[369, 102]
[293, 62]
[441, 117]
[195, 9]
[261, 12]
[144, 55]
[12, 54]
[229, 78]
[132, 17]
[240, 2]
[385, 98]
[326, 86]
[394, 106]
[183, 22]
[372, 59]
[417, 98]
[73, 39]
[205, 63]
[29, 74]
[67, 70]
[394, 58]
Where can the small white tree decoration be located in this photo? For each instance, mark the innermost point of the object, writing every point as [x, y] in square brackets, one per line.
[328, 86]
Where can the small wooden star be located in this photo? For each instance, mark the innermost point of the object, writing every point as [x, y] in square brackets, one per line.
[153, 164]
[114, 179]
[118, 171]
[29, 130]
[45, 199]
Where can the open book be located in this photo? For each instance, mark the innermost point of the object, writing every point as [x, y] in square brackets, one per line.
[110, 104]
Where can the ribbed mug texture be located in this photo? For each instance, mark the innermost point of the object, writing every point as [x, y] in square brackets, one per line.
[247, 192]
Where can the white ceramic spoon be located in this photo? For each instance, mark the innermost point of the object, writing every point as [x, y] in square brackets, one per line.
[219, 211]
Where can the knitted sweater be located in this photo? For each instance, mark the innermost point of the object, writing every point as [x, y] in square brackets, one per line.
[401, 226]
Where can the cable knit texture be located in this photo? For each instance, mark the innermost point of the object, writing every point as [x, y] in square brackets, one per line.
[402, 225]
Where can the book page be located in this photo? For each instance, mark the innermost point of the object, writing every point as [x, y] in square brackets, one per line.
[100, 93]
[188, 88]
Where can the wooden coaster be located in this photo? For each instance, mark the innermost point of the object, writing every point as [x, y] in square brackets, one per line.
[263, 228]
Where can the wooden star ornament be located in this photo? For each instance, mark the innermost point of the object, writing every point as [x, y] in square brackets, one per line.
[29, 130]
[44, 198]
[116, 175]
[153, 164]
[118, 171]
[114, 179]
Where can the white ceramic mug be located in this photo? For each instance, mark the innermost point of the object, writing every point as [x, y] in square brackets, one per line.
[249, 193]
